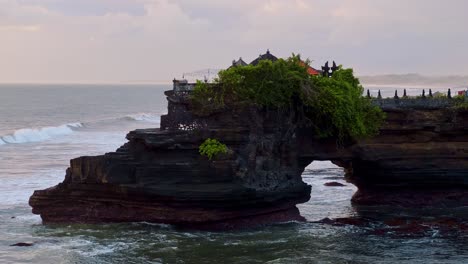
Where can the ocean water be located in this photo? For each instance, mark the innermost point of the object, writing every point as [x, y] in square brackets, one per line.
[43, 126]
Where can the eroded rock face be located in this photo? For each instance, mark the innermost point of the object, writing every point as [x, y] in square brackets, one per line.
[159, 176]
[419, 158]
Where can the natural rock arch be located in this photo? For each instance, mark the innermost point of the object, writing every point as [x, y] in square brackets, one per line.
[159, 176]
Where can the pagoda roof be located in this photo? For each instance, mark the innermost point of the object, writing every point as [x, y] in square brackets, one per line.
[239, 62]
[266, 56]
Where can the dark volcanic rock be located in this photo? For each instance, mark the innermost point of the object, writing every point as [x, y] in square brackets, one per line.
[334, 184]
[419, 158]
[344, 221]
[23, 244]
[444, 196]
[159, 176]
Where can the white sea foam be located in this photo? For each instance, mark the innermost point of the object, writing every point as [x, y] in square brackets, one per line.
[145, 117]
[27, 135]
[318, 164]
[31, 135]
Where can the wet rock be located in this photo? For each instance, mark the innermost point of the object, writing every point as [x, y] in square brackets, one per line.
[418, 159]
[440, 196]
[334, 184]
[353, 221]
[23, 244]
[326, 220]
[423, 226]
[395, 222]
[159, 176]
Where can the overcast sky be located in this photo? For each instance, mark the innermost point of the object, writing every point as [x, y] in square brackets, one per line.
[132, 40]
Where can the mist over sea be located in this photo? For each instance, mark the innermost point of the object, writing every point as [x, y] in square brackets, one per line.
[42, 127]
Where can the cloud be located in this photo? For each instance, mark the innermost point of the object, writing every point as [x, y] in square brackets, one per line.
[30, 28]
[89, 7]
[118, 40]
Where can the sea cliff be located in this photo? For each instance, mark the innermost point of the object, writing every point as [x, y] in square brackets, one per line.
[419, 158]
[159, 175]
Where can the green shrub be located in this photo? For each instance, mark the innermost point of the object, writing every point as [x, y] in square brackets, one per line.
[206, 98]
[212, 147]
[269, 84]
[460, 102]
[338, 109]
[335, 106]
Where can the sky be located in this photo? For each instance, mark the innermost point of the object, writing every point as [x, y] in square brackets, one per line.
[96, 41]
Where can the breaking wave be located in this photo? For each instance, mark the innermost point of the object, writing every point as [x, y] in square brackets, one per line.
[31, 135]
[144, 117]
[27, 135]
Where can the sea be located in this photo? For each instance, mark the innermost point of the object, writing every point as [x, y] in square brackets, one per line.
[43, 126]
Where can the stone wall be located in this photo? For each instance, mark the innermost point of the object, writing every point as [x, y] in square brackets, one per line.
[416, 103]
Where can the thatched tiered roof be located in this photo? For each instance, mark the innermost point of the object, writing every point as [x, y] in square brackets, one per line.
[239, 62]
[266, 56]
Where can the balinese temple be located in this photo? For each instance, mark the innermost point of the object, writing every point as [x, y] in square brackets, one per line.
[239, 62]
[271, 57]
[183, 86]
[266, 56]
[310, 70]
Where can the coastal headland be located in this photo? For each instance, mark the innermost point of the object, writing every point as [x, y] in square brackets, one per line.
[419, 157]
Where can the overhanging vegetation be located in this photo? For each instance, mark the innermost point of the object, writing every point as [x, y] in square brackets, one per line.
[334, 106]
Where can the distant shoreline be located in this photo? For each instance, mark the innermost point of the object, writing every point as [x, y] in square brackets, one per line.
[409, 86]
[85, 83]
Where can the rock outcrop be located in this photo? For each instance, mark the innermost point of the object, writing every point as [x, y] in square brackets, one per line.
[159, 176]
[419, 158]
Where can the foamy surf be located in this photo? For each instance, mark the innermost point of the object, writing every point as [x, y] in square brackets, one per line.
[34, 135]
[145, 117]
[29, 135]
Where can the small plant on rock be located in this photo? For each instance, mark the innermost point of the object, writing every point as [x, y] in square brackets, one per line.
[211, 148]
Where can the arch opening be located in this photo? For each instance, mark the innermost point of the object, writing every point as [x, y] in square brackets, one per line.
[331, 194]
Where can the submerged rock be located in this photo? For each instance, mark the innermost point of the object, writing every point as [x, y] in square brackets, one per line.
[354, 221]
[23, 244]
[334, 184]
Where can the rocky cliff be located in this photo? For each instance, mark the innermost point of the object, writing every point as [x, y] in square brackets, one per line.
[159, 176]
[419, 158]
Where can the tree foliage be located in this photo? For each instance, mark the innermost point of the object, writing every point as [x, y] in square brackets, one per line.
[211, 148]
[460, 102]
[335, 106]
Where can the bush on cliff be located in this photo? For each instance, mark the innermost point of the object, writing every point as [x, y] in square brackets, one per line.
[334, 106]
[271, 84]
[211, 148]
[337, 108]
[460, 102]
